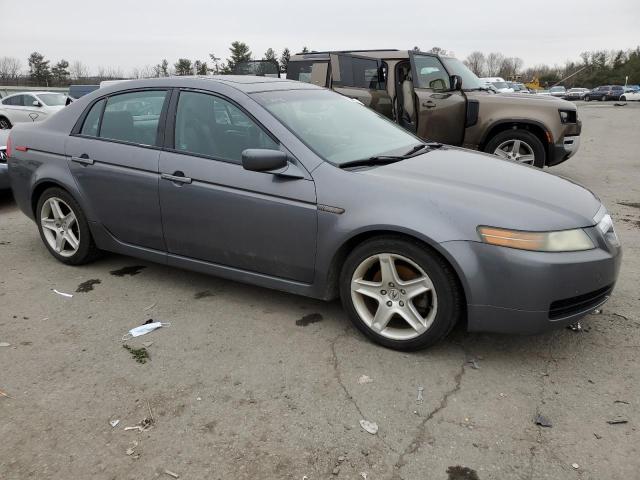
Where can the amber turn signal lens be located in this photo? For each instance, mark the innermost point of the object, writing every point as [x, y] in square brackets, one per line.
[561, 241]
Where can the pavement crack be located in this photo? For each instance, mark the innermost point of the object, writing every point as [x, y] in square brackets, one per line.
[419, 437]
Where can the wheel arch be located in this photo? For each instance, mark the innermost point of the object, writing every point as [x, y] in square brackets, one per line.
[539, 129]
[43, 185]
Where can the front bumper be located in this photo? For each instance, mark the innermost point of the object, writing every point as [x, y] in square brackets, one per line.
[524, 292]
[564, 150]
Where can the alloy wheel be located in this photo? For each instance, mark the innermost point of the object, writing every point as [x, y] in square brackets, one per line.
[394, 296]
[60, 227]
[4, 124]
[516, 150]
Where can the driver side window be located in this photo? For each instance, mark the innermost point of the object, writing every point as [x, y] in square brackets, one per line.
[431, 74]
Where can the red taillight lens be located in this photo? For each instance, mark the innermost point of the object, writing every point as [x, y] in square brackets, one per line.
[8, 151]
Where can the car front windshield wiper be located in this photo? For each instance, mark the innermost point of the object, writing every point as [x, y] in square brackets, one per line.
[387, 159]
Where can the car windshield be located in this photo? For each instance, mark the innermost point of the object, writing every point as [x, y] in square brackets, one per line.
[557, 89]
[53, 99]
[336, 128]
[469, 79]
[500, 84]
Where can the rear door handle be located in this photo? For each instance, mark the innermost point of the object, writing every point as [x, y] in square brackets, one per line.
[83, 160]
[177, 177]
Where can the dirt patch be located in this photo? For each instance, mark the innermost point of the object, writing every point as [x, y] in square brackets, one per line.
[461, 473]
[630, 204]
[131, 271]
[203, 294]
[309, 319]
[635, 223]
[140, 355]
[87, 286]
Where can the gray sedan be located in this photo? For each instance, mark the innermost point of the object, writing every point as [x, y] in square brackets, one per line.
[290, 186]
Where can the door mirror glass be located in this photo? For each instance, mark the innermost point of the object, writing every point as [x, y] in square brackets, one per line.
[456, 82]
[262, 160]
[36, 103]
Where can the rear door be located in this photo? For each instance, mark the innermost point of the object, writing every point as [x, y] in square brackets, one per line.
[362, 78]
[31, 112]
[14, 108]
[216, 211]
[441, 110]
[114, 159]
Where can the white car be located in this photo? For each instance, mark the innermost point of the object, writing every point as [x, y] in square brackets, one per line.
[29, 107]
[630, 96]
[500, 85]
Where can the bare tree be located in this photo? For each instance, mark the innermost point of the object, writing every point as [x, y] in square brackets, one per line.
[494, 63]
[9, 67]
[476, 63]
[78, 70]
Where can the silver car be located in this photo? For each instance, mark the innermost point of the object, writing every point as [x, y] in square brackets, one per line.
[291, 186]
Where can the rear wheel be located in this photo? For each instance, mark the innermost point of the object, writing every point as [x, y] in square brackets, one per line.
[518, 145]
[587, 98]
[5, 124]
[623, 98]
[64, 229]
[400, 294]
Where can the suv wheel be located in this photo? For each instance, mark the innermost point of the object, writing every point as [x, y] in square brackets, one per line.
[518, 145]
[5, 124]
[587, 98]
[64, 229]
[399, 294]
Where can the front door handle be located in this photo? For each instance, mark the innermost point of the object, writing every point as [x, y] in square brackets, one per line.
[83, 159]
[428, 104]
[177, 177]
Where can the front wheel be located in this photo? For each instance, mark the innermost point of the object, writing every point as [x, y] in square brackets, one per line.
[518, 145]
[587, 98]
[64, 229]
[623, 98]
[5, 124]
[400, 294]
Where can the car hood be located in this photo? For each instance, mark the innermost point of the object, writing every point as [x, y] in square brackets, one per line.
[486, 190]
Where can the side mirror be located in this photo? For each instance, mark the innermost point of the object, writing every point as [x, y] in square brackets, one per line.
[456, 82]
[36, 103]
[262, 160]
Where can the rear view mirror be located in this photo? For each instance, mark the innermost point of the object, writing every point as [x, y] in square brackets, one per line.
[262, 160]
[456, 82]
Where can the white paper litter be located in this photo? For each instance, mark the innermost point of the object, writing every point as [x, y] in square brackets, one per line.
[68, 295]
[370, 427]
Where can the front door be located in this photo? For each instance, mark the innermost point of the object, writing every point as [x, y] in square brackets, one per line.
[362, 78]
[114, 159]
[441, 111]
[215, 210]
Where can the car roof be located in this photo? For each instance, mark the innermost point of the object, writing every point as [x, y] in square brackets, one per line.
[30, 92]
[373, 53]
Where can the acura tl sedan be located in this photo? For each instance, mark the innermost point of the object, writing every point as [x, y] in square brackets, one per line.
[290, 186]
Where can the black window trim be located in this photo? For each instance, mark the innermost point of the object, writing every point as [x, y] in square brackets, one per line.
[169, 137]
[380, 62]
[77, 128]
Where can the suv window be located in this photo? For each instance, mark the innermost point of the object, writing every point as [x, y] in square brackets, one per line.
[431, 73]
[358, 72]
[92, 121]
[208, 125]
[133, 117]
[617, 88]
[27, 100]
[300, 71]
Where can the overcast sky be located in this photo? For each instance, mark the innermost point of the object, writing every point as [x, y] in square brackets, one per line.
[135, 33]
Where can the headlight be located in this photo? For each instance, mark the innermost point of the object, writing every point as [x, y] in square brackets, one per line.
[561, 241]
[568, 116]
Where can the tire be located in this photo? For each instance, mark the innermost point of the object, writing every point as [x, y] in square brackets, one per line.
[623, 98]
[71, 220]
[529, 145]
[5, 124]
[433, 301]
[587, 98]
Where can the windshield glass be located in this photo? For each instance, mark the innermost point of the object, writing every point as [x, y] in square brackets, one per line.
[557, 89]
[336, 128]
[469, 79]
[53, 99]
[500, 85]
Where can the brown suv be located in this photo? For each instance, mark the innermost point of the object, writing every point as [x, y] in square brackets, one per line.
[440, 99]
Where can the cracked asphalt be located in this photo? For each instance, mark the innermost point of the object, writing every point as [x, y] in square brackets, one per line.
[248, 383]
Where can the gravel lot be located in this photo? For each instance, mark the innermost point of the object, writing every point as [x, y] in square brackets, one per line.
[247, 383]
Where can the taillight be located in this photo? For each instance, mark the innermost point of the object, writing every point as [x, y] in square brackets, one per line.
[8, 151]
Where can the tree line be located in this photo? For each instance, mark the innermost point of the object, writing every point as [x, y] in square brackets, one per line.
[594, 68]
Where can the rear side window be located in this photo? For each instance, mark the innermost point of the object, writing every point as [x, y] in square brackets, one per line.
[431, 74]
[92, 122]
[16, 100]
[208, 125]
[357, 72]
[133, 117]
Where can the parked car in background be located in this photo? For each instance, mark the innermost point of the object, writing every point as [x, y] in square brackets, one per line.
[440, 99]
[558, 91]
[4, 172]
[632, 88]
[77, 91]
[632, 96]
[543, 92]
[499, 83]
[518, 87]
[319, 196]
[605, 92]
[576, 93]
[29, 107]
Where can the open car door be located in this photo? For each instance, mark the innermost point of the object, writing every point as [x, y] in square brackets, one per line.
[260, 68]
[441, 109]
[362, 78]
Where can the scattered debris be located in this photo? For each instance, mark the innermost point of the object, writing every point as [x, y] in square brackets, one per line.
[420, 398]
[624, 402]
[131, 450]
[203, 294]
[575, 327]
[473, 363]
[597, 311]
[369, 427]
[617, 421]
[575, 466]
[335, 471]
[87, 286]
[114, 423]
[502, 395]
[543, 421]
[131, 271]
[363, 475]
[141, 355]
[461, 473]
[308, 319]
[149, 307]
[597, 436]
[146, 327]
[362, 380]
[172, 474]
[144, 425]
[5, 344]
[4, 394]
[68, 295]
